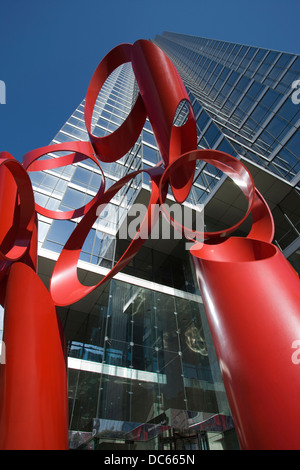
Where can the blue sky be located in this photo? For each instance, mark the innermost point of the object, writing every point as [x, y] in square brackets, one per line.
[49, 49]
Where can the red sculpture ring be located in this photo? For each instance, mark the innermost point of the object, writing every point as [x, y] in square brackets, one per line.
[163, 92]
[26, 217]
[115, 145]
[71, 290]
[224, 162]
[82, 151]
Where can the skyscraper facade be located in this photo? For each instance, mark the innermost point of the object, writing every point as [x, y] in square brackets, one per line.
[243, 98]
[142, 368]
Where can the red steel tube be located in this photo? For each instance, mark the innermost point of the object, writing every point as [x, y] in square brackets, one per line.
[252, 300]
[33, 382]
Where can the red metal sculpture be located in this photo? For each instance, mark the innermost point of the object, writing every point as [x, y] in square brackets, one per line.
[252, 301]
[251, 293]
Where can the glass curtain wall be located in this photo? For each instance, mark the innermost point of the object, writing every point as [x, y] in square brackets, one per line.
[246, 91]
[71, 187]
[142, 358]
[242, 97]
[153, 351]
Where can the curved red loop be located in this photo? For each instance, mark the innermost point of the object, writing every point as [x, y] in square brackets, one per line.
[115, 145]
[163, 91]
[82, 151]
[15, 243]
[65, 286]
[231, 167]
[263, 228]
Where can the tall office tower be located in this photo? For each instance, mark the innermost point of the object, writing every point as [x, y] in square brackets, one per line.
[243, 99]
[142, 369]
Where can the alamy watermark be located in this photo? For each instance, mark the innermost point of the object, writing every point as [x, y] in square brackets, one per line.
[296, 93]
[296, 354]
[2, 92]
[2, 352]
[139, 220]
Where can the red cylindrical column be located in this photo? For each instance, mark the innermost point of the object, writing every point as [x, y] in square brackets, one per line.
[252, 300]
[33, 383]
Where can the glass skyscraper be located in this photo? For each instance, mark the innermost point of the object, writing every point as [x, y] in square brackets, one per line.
[142, 369]
[242, 96]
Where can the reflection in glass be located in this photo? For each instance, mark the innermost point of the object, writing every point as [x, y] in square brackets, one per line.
[153, 353]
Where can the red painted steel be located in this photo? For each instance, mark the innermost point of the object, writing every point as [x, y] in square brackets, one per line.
[163, 92]
[251, 296]
[33, 387]
[81, 151]
[17, 209]
[18, 230]
[65, 286]
[250, 291]
[230, 166]
[252, 300]
[33, 393]
[113, 146]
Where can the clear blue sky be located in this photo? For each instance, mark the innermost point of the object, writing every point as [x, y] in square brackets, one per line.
[49, 49]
